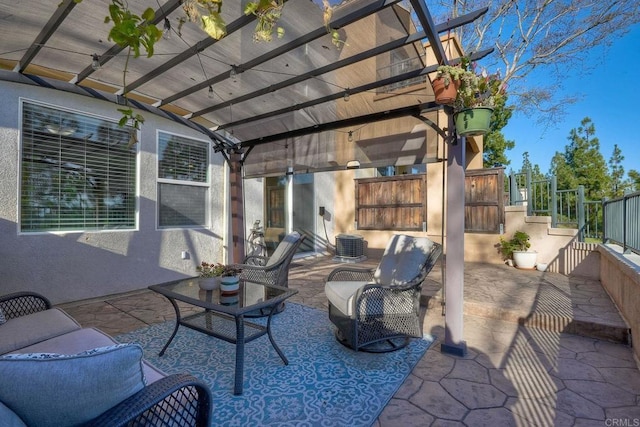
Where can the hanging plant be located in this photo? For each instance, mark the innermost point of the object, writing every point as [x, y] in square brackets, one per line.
[132, 30]
[135, 119]
[268, 12]
[137, 33]
[326, 17]
[208, 13]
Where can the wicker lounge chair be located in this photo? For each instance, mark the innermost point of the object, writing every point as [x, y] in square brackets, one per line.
[378, 310]
[273, 270]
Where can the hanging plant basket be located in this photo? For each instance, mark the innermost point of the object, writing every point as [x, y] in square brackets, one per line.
[445, 95]
[473, 121]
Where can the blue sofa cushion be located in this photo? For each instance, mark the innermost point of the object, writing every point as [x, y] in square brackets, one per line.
[46, 389]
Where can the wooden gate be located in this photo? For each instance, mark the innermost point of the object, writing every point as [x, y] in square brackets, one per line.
[484, 200]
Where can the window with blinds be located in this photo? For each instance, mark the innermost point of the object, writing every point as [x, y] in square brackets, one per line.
[77, 172]
[183, 181]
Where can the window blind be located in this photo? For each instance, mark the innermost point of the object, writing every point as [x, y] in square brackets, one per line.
[77, 172]
[182, 181]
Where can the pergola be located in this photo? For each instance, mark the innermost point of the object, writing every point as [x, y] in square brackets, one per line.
[268, 107]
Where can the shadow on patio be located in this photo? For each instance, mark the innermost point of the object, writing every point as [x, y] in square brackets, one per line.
[544, 349]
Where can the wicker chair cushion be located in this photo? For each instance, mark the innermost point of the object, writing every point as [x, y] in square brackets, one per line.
[46, 389]
[402, 260]
[341, 294]
[2, 318]
[283, 248]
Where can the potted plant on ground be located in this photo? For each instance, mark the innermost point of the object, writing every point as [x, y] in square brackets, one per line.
[517, 248]
[477, 94]
[445, 85]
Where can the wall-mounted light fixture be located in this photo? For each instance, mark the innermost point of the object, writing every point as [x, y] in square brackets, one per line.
[346, 96]
[350, 137]
[353, 164]
[211, 93]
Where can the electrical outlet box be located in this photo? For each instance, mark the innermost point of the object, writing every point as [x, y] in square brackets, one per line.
[321, 211]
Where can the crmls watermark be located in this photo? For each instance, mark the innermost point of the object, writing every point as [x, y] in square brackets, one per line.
[622, 422]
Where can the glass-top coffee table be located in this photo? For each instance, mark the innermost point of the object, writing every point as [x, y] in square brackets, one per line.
[223, 316]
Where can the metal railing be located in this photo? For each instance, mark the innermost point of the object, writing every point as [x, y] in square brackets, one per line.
[567, 207]
[400, 67]
[622, 221]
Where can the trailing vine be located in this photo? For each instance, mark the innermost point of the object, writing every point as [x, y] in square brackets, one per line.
[136, 33]
[326, 17]
[207, 13]
[268, 12]
[139, 34]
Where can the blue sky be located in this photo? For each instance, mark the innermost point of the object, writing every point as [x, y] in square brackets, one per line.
[612, 113]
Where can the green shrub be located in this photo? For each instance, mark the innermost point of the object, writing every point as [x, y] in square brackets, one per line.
[519, 242]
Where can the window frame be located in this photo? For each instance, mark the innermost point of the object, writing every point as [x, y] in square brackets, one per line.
[21, 145]
[207, 184]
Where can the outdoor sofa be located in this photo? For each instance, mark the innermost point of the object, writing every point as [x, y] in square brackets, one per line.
[53, 372]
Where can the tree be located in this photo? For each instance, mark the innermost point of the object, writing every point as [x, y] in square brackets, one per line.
[536, 175]
[495, 143]
[634, 177]
[530, 34]
[582, 163]
[617, 172]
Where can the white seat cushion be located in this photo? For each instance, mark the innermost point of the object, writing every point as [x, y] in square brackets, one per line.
[402, 260]
[340, 294]
[283, 248]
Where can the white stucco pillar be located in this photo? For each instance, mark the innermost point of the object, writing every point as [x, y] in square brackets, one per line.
[454, 274]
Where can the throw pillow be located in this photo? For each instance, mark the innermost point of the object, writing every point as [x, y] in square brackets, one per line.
[8, 418]
[47, 389]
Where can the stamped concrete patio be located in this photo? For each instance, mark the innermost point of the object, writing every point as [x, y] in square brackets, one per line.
[543, 349]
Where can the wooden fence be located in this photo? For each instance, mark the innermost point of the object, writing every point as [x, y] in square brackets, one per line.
[391, 203]
[400, 202]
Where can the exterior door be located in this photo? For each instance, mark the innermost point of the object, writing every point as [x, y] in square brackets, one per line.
[284, 214]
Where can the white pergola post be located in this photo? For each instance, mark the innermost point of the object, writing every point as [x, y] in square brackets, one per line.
[454, 274]
[289, 201]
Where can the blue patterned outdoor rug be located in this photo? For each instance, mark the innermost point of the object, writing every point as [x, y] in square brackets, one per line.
[325, 383]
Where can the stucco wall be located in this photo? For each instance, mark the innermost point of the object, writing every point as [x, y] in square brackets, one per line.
[77, 265]
[620, 276]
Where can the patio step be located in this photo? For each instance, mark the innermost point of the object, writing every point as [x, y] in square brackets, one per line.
[551, 302]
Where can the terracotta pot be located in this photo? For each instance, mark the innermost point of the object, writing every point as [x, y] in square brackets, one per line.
[445, 95]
